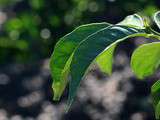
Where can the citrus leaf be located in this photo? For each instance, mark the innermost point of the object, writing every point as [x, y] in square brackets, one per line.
[157, 18]
[89, 49]
[105, 59]
[63, 51]
[155, 93]
[146, 59]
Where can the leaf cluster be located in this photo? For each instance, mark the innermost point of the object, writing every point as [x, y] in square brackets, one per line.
[96, 43]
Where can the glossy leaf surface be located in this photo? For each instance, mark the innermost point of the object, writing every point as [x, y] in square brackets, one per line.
[133, 21]
[157, 18]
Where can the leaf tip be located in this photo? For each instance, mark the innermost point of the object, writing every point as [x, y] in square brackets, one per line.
[68, 105]
[56, 98]
[140, 77]
[66, 109]
[57, 92]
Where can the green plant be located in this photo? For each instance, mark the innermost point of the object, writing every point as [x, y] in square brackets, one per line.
[76, 51]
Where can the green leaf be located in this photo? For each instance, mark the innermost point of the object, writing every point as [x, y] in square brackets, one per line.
[89, 49]
[155, 92]
[146, 59]
[63, 51]
[105, 59]
[157, 111]
[157, 18]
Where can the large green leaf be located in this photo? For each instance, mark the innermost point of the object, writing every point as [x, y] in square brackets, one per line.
[61, 56]
[157, 18]
[105, 59]
[146, 59]
[89, 49]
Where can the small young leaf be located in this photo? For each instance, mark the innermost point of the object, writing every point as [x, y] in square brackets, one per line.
[63, 51]
[146, 59]
[157, 18]
[105, 60]
[91, 47]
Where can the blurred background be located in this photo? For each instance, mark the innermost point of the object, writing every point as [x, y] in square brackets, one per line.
[29, 30]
